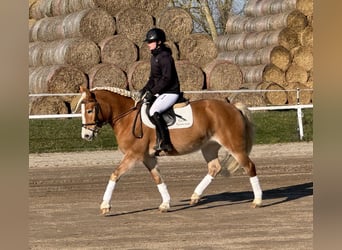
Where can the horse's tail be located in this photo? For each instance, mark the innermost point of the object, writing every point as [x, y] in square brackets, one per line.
[228, 163]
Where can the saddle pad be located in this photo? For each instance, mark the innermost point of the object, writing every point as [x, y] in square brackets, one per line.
[183, 117]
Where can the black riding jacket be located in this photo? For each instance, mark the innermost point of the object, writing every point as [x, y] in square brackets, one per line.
[163, 76]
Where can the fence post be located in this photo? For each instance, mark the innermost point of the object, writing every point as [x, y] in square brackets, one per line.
[299, 117]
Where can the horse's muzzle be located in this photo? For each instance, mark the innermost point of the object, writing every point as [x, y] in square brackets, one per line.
[88, 134]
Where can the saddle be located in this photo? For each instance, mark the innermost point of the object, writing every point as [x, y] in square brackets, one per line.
[170, 115]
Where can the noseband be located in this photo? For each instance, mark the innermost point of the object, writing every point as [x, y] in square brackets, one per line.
[98, 124]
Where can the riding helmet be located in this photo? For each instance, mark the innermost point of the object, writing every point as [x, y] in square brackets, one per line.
[154, 35]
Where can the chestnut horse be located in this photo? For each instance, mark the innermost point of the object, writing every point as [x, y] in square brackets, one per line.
[216, 124]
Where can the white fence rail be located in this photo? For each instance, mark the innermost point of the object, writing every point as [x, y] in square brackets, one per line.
[298, 107]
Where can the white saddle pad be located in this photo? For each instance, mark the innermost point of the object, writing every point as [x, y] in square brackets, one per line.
[184, 117]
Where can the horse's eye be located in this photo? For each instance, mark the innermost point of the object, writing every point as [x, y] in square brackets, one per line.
[89, 111]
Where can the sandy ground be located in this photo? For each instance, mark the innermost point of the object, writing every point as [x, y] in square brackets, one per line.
[65, 190]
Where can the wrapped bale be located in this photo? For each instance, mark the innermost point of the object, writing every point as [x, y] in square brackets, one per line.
[176, 22]
[118, 50]
[198, 49]
[223, 75]
[134, 23]
[138, 74]
[277, 55]
[79, 52]
[295, 74]
[94, 24]
[275, 94]
[48, 105]
[107, 75]
[294, 20]
[145, 53]
[51, 8]
[260, 73]
[305, 93]
[56, 79]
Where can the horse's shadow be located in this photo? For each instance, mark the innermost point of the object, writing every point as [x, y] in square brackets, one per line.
[286, 194]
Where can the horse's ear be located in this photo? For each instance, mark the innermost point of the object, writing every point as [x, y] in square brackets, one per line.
[83, 89]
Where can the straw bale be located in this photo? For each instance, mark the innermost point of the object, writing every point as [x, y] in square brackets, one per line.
[79, 52]
[296, 73]
[264, 72]
[293, 19]
[107, 75]
[223, 75]
[198, 48]
[305, 94]
[55, 79]
[138, 74]
[305, 6]
[277, 55]
[118, 50]
[255, 8]
[152, 7]
[145, 53]
[114, 6]
[51, 8]
[250, 99]
[303, 56]
[191, 77]
[94, 24]
[277, 94]
[31, 22]
[47, 105]
[306, 37]
[176, 22]
[134, 23]
[256, 40]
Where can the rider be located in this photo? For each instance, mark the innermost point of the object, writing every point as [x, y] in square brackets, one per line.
[163, 84]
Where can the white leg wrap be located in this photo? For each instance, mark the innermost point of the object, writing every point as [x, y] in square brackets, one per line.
[109, 191]
[256, 187]
[203, 184]
[163, 192]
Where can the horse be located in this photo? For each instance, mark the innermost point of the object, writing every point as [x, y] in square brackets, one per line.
[216, 124]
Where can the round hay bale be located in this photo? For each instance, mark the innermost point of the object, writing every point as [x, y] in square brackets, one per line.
[31, 22]
[145, 53]
[107, 75]
[94, 24]
[113, 6]
[191, 77]
[206, 94]
[275, 94]
[293, 19]
[55, 79]
[176, 22]
[134, 23]
[272, 73]
[251, 99]
[223, 75]
[305, 6]
[51, 8]
[295, 74]
[303, 57]
[118, 50]
[305, 94]
[266, 7]
[260, 73]
[152, 7]
[306, 37]
[79, 52]
[138, 74]
[47, 105]
[197, 48]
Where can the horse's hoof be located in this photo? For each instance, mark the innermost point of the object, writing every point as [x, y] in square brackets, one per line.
[105, 208]
[195, 198]
[256, 203]
[105, 211]
[164, 207]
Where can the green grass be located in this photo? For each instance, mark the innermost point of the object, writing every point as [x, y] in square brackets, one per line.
[64, 135]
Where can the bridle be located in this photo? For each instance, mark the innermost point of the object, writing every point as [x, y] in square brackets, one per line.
[98, 124]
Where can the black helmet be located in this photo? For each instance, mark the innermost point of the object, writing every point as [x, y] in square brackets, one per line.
[155, 34]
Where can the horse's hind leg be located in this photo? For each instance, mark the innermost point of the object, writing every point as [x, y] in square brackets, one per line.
[210, 153]
[244, 161]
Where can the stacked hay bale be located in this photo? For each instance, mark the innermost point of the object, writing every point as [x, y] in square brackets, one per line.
[272, 43]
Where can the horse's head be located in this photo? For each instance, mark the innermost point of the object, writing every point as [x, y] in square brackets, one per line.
[90, 114]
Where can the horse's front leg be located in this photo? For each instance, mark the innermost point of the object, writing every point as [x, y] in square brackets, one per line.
[152, 166]
[127, 163]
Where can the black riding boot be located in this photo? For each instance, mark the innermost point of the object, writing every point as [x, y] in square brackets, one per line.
[162, 132]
